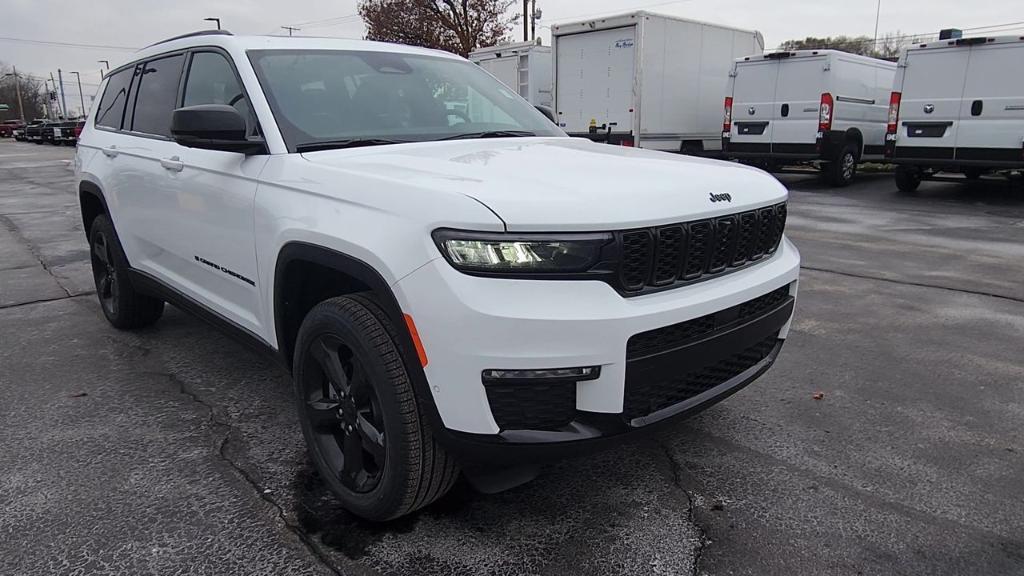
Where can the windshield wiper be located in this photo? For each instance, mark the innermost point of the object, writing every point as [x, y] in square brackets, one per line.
[350, 143]
[491, 134]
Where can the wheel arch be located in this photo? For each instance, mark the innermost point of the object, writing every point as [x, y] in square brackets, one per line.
[855, 136]
[296, 292]
[92, 203]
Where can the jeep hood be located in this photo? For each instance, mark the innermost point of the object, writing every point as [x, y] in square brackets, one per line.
[567, 184]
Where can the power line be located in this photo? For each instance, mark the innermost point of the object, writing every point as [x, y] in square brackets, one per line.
[67, 44]
[327, 21]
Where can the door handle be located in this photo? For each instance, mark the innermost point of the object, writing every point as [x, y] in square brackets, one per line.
[110, 151]
[174, 164]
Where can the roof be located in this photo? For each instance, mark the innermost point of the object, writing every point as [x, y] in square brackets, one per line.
[781, 55]
[967, 42]
[233, 43]
[622, 15]
[509, 47]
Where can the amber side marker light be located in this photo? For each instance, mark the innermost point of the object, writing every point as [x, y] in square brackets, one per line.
[416, 340]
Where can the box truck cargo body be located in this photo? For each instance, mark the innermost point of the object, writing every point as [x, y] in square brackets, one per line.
[821, 106]
[524, 67]
[647, 80]
[957, 106]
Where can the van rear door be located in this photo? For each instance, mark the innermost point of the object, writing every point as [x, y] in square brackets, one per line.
[505, 69]
[595, 78]
[753, 98]
[801, 81]
[933, 86]
[992, 109]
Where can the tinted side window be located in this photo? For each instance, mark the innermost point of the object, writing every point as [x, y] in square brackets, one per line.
[157, 95]
[211, 80]
[114, 97]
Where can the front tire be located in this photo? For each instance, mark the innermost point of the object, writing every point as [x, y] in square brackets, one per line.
[359, 414]
[124, 307]
[841, 172]
[908, 178]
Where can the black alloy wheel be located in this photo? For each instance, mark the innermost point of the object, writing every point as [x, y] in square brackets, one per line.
[345, 413]
[107, 286]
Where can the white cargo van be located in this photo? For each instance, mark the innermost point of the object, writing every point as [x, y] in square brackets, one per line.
[646, 80]
[957, 106]
[524, 67]
[808, 106]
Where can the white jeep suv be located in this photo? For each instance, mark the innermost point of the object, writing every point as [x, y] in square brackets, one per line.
[453, 283]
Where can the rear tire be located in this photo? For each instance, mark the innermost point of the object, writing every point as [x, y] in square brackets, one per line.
[973, 173]
[841, 172]
[124, 308]
[908, 178]
[365, 432]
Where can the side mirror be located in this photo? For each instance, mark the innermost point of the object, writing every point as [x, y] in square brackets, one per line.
[548, 112]
[213, 127]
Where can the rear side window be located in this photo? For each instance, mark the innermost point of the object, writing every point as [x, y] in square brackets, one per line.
[212, 80]
[114, 97]
[157, 95]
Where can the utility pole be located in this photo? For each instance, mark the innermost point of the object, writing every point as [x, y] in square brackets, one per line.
[526, 21]
[54, 82]
[63, 99]
[81, 95]
[533, 20]
[291, 29]
[17, 90]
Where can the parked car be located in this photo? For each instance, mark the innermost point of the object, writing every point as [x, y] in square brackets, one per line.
[7, 127]
[67, 132]
[824, 107]
[50, 132]
[440, 307]
[957, 106]
[646, 80]
[34, 131]
[525, 67]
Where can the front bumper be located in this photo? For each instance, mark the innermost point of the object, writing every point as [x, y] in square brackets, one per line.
[469, 324]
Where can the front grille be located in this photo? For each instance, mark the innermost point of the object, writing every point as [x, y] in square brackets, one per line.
[532, 406]
[681, 253]
[646, 397]
[671, 337]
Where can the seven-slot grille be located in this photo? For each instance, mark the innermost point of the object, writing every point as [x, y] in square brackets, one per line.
[691, 251]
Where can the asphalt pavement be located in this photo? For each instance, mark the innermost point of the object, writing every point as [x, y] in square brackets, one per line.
[888, 438]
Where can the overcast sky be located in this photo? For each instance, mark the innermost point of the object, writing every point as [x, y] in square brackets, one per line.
[136, 23]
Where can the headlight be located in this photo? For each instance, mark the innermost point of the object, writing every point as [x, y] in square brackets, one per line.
[521, 253]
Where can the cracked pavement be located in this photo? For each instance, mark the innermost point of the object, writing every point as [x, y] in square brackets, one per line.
[175, 450]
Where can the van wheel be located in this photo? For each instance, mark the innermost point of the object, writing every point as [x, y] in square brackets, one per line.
[908, 178]
[359, 415]
[843, 169]
[973, 173]
[122, 305]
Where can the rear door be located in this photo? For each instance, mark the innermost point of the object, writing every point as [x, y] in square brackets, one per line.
[992, 110]
[595, 79]
[933, 87]
[801, 81]
[753, 100]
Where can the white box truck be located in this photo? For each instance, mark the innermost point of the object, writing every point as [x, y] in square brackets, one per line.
[824, 107]
[646, 80]
[525, 67]
[957, 106]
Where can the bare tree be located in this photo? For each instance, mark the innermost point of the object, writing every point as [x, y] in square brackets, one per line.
[458, 26]
[33, 96]
[887, 47]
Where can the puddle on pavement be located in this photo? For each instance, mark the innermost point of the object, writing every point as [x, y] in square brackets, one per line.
[321, 514]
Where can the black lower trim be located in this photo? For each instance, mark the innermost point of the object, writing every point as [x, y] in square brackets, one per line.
[152, 286]
[953, 158]
[874, 150]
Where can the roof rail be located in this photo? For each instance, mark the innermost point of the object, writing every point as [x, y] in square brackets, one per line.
[191, 34]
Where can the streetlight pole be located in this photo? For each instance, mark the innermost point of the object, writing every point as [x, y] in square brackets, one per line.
[217, 20]
[81, 96]
[878, 14]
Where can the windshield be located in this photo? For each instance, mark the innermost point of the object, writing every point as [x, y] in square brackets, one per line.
[325, 97]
